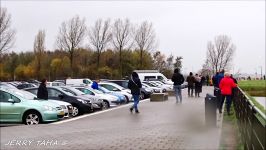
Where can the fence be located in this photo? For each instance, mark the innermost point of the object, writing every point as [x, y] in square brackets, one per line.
[251, 122]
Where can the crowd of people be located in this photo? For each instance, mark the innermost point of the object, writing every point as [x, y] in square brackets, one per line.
[224, 84]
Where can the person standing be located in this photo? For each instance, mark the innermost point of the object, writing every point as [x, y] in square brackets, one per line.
[42, 92]
[190, 81]
[95, 84]
[207, 80]
[178, 80]
[198, 85]
[226, 85]
[134, 85]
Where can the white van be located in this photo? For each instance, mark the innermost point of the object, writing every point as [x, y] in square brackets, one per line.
[78, 82]
[152, 74]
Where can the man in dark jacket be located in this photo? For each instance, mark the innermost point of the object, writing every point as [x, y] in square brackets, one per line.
[178, 80]
[190, 82]
[42, 90]
[134, 85]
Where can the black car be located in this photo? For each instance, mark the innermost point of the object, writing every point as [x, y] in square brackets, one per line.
[25, 85]
[124, 83]
[80, 106]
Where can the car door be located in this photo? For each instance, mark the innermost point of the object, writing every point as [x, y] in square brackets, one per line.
[54, 94]
[10, 111]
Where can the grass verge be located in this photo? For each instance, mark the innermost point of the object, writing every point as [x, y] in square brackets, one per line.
[231, 137]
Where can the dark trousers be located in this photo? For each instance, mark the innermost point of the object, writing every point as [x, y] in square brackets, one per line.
[228, 102]
[190, 90]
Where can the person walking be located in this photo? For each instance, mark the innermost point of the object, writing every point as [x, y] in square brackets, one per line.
[226, 85]
[190, 81]
[134, 85]
[178, 80]
[42, 92]
[198, 85]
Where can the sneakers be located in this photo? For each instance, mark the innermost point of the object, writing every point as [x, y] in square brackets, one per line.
[131, 109]
[136, 111]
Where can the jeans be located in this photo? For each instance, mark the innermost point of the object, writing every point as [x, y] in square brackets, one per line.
[228, 102]
[177, 89]
[136, 101]
[190, 88]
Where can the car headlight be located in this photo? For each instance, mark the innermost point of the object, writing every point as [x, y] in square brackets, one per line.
[49, 108]
[82, 101]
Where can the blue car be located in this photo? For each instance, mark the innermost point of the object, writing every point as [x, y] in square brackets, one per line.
[121, 97]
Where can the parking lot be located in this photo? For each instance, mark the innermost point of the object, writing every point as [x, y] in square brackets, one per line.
[160, 125]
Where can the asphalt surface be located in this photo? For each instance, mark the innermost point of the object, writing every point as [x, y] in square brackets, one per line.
[159, 125]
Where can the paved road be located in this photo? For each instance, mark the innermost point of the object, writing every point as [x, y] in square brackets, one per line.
[160, 125]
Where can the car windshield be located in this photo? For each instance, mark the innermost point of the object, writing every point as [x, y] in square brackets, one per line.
[104, 90]
[73, 91]
[150, 84]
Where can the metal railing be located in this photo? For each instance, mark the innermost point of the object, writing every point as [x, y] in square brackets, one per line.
[251, 122]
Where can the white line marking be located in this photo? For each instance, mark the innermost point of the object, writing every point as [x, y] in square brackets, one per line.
[96, 113]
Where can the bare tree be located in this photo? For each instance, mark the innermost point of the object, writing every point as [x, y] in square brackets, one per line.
[71, 35]
[121, 38]
[159, 62]
[178, 62]
[220, 53]
[169, 62]
[39, 48]
[7, 34]
[144, 39]
[99, 36]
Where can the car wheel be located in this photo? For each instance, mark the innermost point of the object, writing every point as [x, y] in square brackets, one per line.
[75, 111]
[127, 99]
[32, 118]
[105, 105]
[141, 96]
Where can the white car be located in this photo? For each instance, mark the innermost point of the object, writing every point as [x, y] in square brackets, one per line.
[96, 101]
[154, 88]
[167, 87]
[108, 99]
[117, 88]
[55, 84]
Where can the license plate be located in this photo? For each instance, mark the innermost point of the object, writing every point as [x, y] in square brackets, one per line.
[62, 113]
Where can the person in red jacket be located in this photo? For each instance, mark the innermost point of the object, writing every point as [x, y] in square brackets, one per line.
[226, 85]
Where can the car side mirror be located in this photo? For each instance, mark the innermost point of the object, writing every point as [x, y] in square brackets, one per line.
[116, 89]
[61, 96]
[11, 100]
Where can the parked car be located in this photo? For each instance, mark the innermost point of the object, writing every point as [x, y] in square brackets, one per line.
[80, 105]
[108, 100]
[121, 97]
[26, 85]
[144, 92]
[20, 106]
[62, 81]
[154, 88]
[117, 88]
[97, 102]
[78, 82]
[7, 85]
[55, 84]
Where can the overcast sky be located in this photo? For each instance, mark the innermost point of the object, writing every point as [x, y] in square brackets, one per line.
[183, 28]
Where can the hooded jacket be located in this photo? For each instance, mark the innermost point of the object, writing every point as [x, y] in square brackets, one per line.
[134, 84]
[42, 91]
[226, 86]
